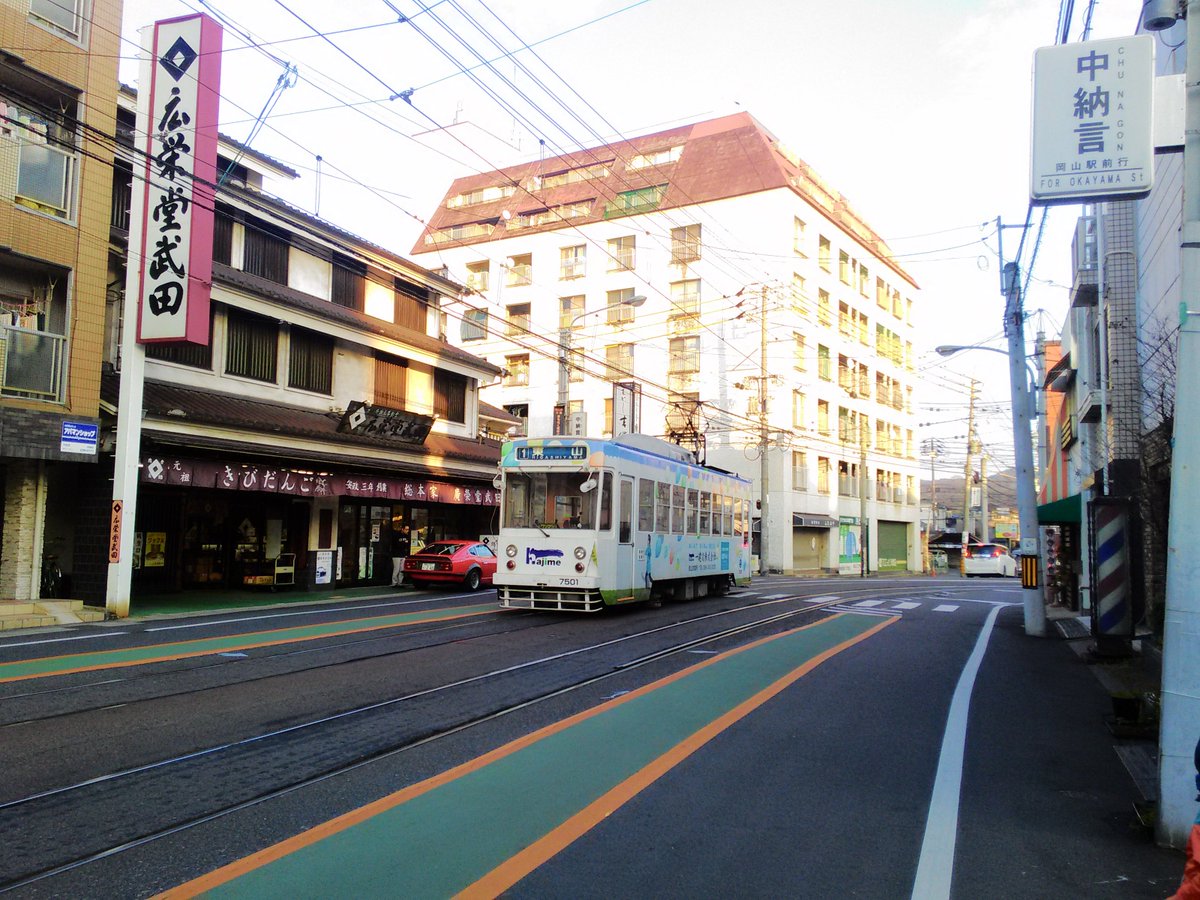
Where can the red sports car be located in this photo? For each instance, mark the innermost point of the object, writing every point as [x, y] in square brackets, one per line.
[469, 563]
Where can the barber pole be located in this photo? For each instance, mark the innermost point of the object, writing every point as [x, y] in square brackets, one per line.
[1112, 582]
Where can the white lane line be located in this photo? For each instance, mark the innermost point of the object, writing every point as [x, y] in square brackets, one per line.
[81, 637]
[948, 607]
[869, 603]
[935, 870]
[904, 604]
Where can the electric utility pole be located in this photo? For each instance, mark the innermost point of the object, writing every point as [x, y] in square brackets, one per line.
[763, 385]
[968, 469]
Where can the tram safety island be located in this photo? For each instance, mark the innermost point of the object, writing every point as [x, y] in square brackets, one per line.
[587, 522]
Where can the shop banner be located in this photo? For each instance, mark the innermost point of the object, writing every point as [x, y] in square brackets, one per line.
[236, 477]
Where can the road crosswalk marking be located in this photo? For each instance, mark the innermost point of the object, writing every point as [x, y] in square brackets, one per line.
[945, 607]
[905, 604]
[869, 603]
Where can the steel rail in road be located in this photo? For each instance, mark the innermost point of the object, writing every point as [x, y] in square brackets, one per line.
[22, 806]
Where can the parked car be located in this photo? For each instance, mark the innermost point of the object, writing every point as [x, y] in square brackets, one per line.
[988, 559]
[469, 563]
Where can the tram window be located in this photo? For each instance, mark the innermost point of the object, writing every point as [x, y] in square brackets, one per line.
[516, 501]
[705, 512]
[717, 524]
[678, 503]
[625, 512]
[739, 527]
[693, 503]
[746, 519]
[662, 506]
[606, 502]
[645, 505]
[728, 524]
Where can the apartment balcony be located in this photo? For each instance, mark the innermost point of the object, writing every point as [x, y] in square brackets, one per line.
[1085, 282]
[31, 363]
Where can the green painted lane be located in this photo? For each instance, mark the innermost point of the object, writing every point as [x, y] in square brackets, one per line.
[136, 656]
[498, 817]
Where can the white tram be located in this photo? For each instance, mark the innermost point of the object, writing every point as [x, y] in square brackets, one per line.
[587, 522]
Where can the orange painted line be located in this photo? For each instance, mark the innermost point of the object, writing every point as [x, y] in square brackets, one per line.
[318, 833]
[123, 664]
[517, 867]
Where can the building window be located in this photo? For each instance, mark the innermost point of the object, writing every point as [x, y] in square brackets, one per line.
[520, 270]
[823, 416]
[799, 420]
[572, 261]
[223, 235]
[411, 305]
[391, 380]
[46, 161]
[845, 274]
[684, 355]
[823, 474]
[799, 470]
[824, 363]
[569, 310]
[656, 158]
[349, 287]
[824, 308]
[622, 253]
[685, 244]
[620, 312]
[685, 299]
[252, 346]
[518, 319]
[618, 359]
[474, 325]
[799, 351]
[449, 396]
[184, 354]
[798, 243]
[521, 411]
[478, 274]
[800, 295]
[489, 194]
[824, 253]
[516, 369]
[266, 251]
[310, 363]
[635, 201]
[64, 16]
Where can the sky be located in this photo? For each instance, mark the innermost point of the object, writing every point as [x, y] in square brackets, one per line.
[917, 111]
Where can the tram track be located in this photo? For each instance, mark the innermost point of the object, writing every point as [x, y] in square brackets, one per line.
[143, 803]
[146, 803]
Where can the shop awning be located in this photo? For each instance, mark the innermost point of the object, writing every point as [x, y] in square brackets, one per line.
[1067, 511]
[804, 520]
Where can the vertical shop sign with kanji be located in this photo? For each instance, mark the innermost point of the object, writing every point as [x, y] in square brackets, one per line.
[1093, 112]
[178, 174]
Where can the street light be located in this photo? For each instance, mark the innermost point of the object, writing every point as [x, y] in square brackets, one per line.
[1032, 601]
[951, 349]
[564, 347]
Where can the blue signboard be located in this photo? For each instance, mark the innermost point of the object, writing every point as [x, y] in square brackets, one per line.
[79, 437]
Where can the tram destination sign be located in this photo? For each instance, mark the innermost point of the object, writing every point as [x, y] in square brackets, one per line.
[1093, 105]
[554, 452]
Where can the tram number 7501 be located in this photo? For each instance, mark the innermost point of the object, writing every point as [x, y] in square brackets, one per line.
[569, 582]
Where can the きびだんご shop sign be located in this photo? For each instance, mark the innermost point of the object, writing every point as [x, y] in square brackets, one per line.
[1093, 105]
[177, 178]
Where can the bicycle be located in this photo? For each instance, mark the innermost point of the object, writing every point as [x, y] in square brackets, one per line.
[52, 578]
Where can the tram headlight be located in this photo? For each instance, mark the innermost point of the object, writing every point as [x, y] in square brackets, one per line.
[580, 552]
[510, 551]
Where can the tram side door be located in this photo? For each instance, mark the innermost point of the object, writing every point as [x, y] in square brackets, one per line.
[626, 555]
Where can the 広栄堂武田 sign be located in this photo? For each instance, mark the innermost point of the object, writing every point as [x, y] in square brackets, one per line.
[179, 173]
[1093, 105]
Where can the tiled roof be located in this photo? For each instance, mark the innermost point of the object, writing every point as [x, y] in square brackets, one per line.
[731, 156]
[165, 403]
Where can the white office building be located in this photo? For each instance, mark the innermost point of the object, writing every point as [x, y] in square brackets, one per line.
[705, 285]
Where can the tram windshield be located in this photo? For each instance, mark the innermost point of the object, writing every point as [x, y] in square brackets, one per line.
[557, 500]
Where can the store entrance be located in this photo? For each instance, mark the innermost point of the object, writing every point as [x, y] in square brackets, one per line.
[364, 538]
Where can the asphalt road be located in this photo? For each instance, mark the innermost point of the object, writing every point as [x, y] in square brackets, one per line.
[802, 738]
